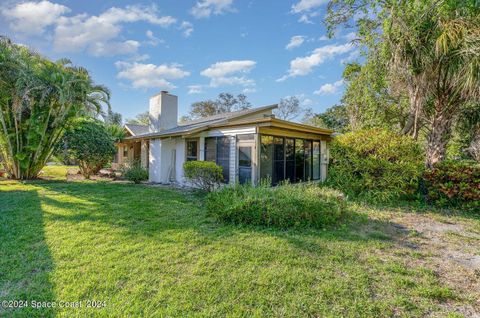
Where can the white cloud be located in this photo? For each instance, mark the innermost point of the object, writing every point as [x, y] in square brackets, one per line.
[83, 32]
[33, 17]
[249, 90]
[195, 89]
[307, 5]
[150, 75]
[301, 66]
[305, 19]
[350, 36]
[295, 41]
[205, 8]
[229, 73]
[329, 88]
[153, 40]
[187, 28]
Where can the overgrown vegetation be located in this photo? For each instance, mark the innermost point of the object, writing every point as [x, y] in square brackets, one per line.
[282, 206]
[205, 175]
[90, 143]
[39, 98]
[454, 184]
[375, 164]
[135, 172]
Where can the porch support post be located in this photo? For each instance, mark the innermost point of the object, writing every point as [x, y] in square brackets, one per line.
[143, 153]
[201, 146]
[233, 160]
[324, 160]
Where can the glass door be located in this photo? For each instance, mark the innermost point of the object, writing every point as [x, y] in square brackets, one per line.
[245, 155]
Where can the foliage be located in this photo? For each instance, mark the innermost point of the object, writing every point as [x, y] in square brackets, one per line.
[205, 175]
[426, 51]
[140, 119]
[289, 108]
[135, 172]
[375, 164]
[334, 118]
[283, 206]
[454, 184]
[116, 132]
[89, 142]
[113, 118]
[224, 103]
[38, 99]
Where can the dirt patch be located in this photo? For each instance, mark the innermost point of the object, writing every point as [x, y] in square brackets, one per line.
[453, 252]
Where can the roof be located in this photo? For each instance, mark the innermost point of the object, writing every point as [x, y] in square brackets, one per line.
[136, 130]
[229, 119]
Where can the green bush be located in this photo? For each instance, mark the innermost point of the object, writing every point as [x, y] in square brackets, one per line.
[205, 175]
[375, 164]
[283, 206]
[454, 184]
[135, 173]
[89, 142]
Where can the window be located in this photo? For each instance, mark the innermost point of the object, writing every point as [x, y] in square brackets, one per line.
[290, 159]
[316, 160]
[192, 150]
[266, 157]
[217, 149]
[125, 151]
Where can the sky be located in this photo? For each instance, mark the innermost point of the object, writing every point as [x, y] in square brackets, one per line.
[265, 49]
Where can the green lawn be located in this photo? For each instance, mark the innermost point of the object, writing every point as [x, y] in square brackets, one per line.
[152, 251]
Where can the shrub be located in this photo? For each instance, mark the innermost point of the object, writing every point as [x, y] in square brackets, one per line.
[89, 142]
[205, 175]
[283, 206]
[454, 184]
[375, 164]
[135, 173]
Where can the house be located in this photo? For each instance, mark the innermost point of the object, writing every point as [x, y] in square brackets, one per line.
[250, 145]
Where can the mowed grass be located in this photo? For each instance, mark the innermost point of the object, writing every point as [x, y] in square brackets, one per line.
[152, 252]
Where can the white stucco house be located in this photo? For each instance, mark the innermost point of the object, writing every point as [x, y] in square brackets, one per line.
[250, 145]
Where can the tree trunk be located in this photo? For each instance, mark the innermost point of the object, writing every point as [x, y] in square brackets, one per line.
[438, 137]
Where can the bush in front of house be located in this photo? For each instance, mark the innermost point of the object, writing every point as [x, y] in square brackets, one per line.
[282, 206]
[375, 164]
[89, 142]
[454, 184]
[135, 172]
[205, 175]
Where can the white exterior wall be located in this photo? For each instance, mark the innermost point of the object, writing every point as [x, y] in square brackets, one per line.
[180, 154]
[154, 173]
[233, 160]
[163, 111]
[144, 153]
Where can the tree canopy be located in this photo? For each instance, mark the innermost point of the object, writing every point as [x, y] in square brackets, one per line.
[225, 103]
[38, 99]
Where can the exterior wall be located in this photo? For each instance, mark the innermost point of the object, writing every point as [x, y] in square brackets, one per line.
[155, 156]
[233, 160]
[180, 154]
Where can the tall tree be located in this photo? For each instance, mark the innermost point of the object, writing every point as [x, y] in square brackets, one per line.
[430, 52]
[38, 99]
[335, 118]
[289, 108]
[224, 103]
[140, 119]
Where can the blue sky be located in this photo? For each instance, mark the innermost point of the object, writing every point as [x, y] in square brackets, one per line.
[194, 49]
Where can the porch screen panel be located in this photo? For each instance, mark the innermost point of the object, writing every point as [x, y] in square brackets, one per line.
[217, 149]
[307, 145]
[278, 160]
[211, 149]
[290, 159]
[316, 160]
[299, 161]
[266, 157]
[223, 156]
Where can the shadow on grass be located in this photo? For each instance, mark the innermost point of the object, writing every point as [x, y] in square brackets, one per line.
[148, 211]
[25, 262]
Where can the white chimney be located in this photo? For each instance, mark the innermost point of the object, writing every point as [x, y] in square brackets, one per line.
[163, 111]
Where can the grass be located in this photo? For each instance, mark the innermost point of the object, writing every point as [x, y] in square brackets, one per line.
[151, 251]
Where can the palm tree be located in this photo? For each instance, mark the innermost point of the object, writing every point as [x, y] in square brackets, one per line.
[38, 99]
